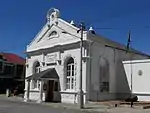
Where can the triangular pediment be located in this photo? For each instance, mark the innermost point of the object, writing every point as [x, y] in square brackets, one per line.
[54, 33]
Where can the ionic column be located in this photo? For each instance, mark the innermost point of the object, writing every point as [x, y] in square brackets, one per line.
[41, 92]
[27, 91]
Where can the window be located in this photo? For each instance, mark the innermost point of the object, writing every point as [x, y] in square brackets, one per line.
[1, 57]
[19, 71]
[35, 83]
[104, 86]
[8, 69]
[104, 75]
[1, 66]
[70, 77]
[53, 34]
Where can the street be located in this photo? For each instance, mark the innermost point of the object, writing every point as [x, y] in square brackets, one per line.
[15, 106]
[21, 107]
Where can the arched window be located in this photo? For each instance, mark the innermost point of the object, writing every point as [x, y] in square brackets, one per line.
[36, 69]
[104, 75]
[53, 34]
[70, 74]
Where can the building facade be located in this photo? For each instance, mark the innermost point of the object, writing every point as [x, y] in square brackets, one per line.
[53, 64]
[12, 72]
[137, 72]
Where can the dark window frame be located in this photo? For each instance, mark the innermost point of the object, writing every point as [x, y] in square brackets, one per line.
[1, 67]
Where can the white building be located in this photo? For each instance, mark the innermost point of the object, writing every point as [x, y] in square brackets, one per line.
[138, 74]
[53, 64]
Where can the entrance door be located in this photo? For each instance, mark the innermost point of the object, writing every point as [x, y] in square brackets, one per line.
[49, 91]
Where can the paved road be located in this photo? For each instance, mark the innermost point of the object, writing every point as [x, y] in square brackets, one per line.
[9, 106]
[20, 107]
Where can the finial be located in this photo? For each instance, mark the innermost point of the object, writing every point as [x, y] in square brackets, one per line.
[72, 22]
[91, 30]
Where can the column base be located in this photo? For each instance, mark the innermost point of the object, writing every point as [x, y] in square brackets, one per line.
[26, 100]
[39, 101]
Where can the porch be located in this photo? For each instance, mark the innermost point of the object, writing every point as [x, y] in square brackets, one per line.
[48, 87]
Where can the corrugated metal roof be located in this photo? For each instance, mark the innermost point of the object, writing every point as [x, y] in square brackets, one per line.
[13, 58]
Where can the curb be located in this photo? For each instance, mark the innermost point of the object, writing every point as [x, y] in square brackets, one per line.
[75, 109]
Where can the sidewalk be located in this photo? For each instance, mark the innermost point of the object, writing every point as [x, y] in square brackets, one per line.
[89, 108]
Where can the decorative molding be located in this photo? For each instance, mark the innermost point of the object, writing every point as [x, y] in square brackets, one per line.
[51, 64]
[53, 34]
[51, 58]
[85, 58]
[59, 61]
[43, 63]
[52, 16]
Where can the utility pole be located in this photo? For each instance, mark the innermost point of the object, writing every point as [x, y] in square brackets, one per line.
[129, 41]
[81, 93]
[128, 48]
[131, 80]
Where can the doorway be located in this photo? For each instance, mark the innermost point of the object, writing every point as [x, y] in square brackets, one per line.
[49, 91]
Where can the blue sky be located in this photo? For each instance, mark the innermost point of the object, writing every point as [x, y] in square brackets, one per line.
[21, 20]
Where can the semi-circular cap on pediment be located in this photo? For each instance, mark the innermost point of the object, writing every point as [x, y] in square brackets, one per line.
[52, 14]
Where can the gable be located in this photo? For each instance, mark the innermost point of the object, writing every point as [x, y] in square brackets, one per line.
[55, 32]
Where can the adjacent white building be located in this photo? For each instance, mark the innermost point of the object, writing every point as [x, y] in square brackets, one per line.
[138, 74]
[53, 64]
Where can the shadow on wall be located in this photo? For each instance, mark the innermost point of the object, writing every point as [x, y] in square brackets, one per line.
[59, 94]
[122, 86]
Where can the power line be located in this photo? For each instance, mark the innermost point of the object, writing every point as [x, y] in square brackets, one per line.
[118, 28]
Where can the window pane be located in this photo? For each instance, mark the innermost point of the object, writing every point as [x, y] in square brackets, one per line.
[68, 73]
[72, 67]
[67, 86]
[71, 60]
[36, 70]
[72, 83]
[39, 70]
[72, 72]
[72, 80]
[1, 57]
[68, 81]
[68, 67]
[8, 70]
[1, 66]
[72, 86]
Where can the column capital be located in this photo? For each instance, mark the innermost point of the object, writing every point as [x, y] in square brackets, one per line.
[28, 80]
